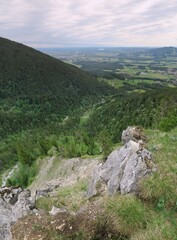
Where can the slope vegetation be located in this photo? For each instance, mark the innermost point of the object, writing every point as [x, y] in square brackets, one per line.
[33, 86]
[153, 109]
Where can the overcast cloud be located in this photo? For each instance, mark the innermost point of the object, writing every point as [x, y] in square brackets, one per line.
[67, 23]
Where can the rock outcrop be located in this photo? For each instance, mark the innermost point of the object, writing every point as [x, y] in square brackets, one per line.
[55, 173]
[123, 168]
[17, 202]
[14, 203]
[133, 133]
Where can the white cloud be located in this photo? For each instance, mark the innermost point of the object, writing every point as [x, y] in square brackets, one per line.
[84, 23]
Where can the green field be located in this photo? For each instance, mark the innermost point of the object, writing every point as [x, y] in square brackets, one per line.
[131, 69]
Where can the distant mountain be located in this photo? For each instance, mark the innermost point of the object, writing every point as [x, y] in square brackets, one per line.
[164, 52]
[35, 87]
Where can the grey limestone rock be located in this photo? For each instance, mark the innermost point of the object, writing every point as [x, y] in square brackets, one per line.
[54, 211]
[122, 170]
[92, 190]
[14, 203]
[5, 231]
[6, 218]
[133, 133]
[42, 193]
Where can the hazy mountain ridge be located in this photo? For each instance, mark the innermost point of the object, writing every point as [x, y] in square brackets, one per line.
[164, 51]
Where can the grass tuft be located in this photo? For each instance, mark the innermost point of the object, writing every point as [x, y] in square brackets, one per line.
[127, 214]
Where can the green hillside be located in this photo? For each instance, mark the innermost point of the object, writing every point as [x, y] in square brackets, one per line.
[154, 109]
[51, 108]
[35, 87]
[88, 130]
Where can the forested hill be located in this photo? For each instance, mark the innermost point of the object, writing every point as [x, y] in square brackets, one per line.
[153, 109]
[35, 86]
[27, 72]
[163, 52]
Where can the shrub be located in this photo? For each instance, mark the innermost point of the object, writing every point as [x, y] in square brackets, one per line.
[168, 123]
[106, 143]
[23, 176]
[53, 151]
[73, 146]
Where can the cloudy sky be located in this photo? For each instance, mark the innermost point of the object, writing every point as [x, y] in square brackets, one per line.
[70, 23]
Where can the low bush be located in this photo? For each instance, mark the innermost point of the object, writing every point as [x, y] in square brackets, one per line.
[168, 123]
[23, 176]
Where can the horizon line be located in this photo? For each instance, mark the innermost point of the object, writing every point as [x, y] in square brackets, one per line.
[102, 47]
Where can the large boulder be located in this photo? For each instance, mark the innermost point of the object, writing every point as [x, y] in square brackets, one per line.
[122, 170]
[14, 203]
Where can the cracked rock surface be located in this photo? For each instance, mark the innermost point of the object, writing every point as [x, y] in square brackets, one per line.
[123, 169]
[14, 203]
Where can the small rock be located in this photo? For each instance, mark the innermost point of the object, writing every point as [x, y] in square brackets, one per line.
[61, 227]
[56, 210]
[42, 193]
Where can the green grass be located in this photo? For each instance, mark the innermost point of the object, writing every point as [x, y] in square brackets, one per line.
[136, 81]
[153, 75]
[117, 83]
[46, 203]
[162, 184]
[72, 197]
[159, 191]
[127, 214]
[129, 70]
[85, 117]
[159, 227]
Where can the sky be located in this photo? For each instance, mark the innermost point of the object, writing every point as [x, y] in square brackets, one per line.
[88, 23]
